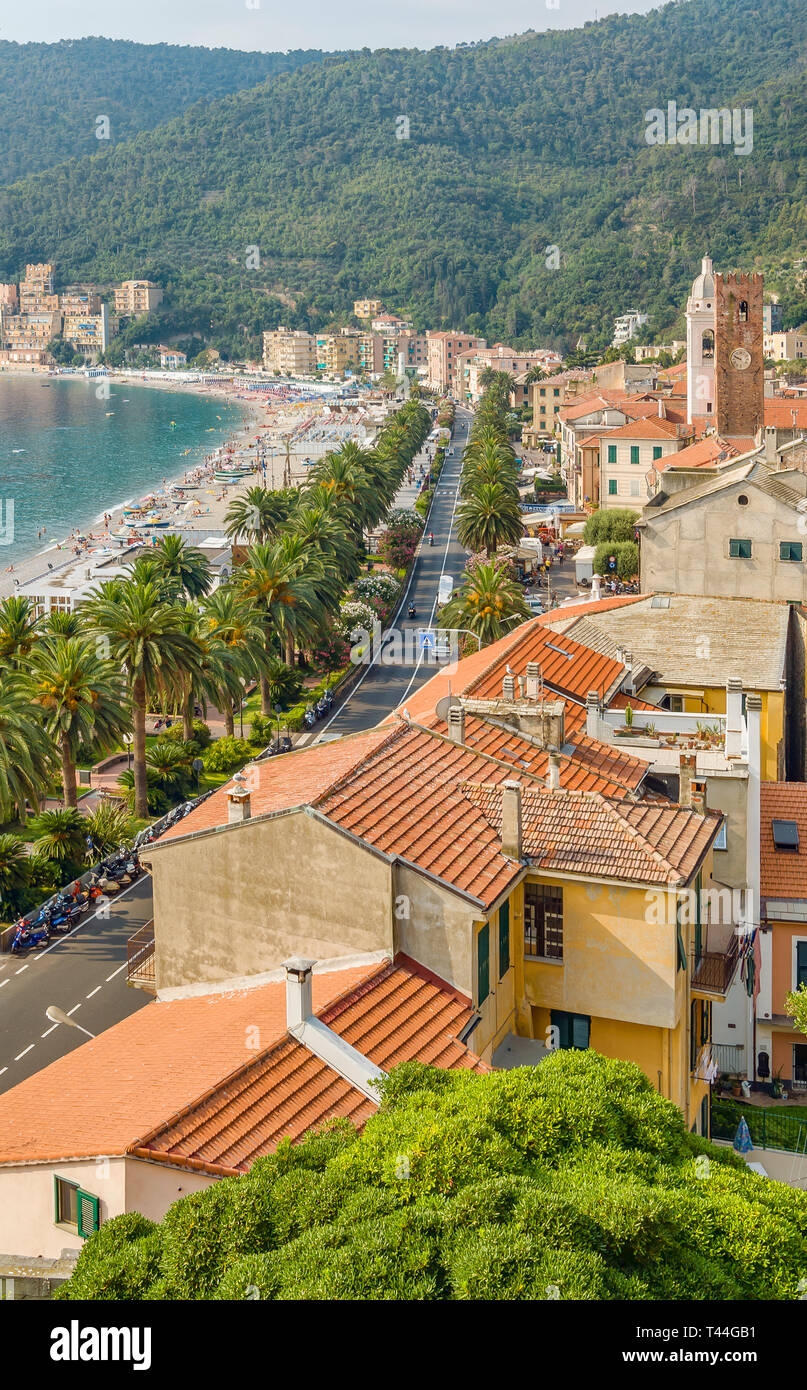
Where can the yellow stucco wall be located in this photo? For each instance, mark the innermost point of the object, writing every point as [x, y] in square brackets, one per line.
[772, 722]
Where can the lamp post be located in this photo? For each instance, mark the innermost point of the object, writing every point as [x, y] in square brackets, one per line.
[128, 740]
[278, 711]
[57, 1015]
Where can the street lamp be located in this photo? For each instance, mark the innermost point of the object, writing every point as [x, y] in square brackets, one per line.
[278, 711]
[57, 1015]
[128, 740]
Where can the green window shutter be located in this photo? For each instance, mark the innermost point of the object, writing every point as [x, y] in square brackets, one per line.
[693, 1034]
[581, 1029]
[56, 1216]
[656, 451]
[561, 1021]
[705, 1021]
[790, 550]
[504, 939]
[612, 453]
[634, 453]
[680, 952]
[801, 963]
[87, 1214]
[483, 965]
[612, 487]
[740, 549]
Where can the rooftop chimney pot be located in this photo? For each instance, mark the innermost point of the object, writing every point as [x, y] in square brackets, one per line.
[299, 1005]
[511, 819]
[456, 723]
[238, 801]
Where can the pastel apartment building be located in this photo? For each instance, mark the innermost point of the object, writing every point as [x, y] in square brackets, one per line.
[134, 298]
[337, 351]
[172, 358]
[443, 364]
[367, 308]
[785, 347]
[291, 351]
[783, 919]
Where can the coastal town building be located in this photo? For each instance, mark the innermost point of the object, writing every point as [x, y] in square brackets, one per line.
[134, 298]
[200, 1085]
[785, 347]
[783, 937]
[627, 326]
[773, 318]
[290, 351]
[172, 358]
[367, 308]
[87, 332]
[648, 352]
[725, 367]
[547, 398]
[473, 363]
[444, 350]
[620, 462]
[9, 298]
[336, 352]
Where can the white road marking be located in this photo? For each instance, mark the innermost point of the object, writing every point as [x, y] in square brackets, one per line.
[22, 1054]
[22, 967]
[73, 1010]
[49, 1030]
[93, 991]
[114, 973]
[3, 1071]
[4, 982]
[92, 916]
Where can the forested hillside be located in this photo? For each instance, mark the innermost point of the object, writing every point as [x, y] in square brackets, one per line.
[52, 93]
[513, 148]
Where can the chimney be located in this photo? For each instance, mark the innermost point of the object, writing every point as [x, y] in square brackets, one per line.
[596, 587]
[592, 714]
[630, 684]
[734, 717]
[686, 774]
[509, 688]
[553, 775]
[770, 443]
[456, 723]
[238, 801]
[299, 1006]
[533, 680]
[511, 819]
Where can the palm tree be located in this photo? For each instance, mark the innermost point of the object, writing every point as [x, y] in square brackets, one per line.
[183, 566]
[147, 638]
[60, 623]
[108, 827]
[226, 616]
[18, 630]
[488, 604]
[489, 517]
[13, 873]
[61, 837]
[217, 672]
[171, 765]
[257, 514]
[83, 699]
[26, 752]
[281, 584]
[329, 534]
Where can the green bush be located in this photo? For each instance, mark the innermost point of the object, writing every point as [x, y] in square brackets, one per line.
[202, 736]
[626, 554]
[227, 754]
[610, 524]
[573, 1179]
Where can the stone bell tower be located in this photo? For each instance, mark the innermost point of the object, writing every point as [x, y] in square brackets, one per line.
[739, 368]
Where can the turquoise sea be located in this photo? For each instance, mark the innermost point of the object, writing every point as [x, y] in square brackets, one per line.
[68, 453]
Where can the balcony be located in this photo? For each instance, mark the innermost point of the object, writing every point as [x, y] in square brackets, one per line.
[140, 959]
[713, 971]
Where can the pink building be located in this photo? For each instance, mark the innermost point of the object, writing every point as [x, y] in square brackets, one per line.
[444, 350]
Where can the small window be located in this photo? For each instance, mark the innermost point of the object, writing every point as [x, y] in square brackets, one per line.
[740, 549]
[801, 964]
[543, 921]
[504, 939]
[542, 391]
[75, 1208]
[790, 550]
[720, 841]
[574, 1030]
[742, 500]
[612, 487]
[743, 314]
[556, 391]
[786, 835]
[483, 964]
[634, 453]
[656, 451]
[612, 453]
[635, 490]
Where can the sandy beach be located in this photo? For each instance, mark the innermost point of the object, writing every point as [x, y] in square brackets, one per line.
[282, 438]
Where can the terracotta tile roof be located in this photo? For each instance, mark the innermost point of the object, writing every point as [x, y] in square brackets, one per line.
[650, 427]
[183, 1047]
[210, 1102]
[576, 610]
[290, 779]
[591, 766]
[586, 833]
[405, 800]
[397, 1015]
[783, 872]
[568, 667]
[701, 454]
[786, 413]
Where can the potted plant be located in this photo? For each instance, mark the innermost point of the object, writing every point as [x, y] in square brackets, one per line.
[736, 1084]
[776, 1084]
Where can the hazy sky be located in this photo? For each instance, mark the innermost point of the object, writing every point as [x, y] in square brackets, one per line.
[278, 24]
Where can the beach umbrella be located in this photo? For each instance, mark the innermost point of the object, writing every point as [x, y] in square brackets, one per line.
[742, 1139]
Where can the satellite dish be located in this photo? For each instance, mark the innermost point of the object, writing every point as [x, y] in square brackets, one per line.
[444, 705]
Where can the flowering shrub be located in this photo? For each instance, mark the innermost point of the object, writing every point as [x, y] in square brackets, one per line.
[403, 520]
[377, 586]
[332, 651]
[354, 614]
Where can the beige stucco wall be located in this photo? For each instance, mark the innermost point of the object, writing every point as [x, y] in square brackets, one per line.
[687, 551]
[438, 930]
[151, 1188]
[27, 1224]
[242, 900]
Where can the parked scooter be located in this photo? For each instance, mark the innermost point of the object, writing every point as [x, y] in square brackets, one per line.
[309, 718]
[28, 935]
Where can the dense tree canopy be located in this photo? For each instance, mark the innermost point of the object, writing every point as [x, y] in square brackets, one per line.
[574, 1179]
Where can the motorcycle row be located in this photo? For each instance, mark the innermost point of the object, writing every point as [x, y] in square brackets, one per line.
[62, 913]
[312, 714]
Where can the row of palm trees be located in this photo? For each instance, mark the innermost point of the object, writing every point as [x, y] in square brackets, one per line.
[489, 602]
[158, 636]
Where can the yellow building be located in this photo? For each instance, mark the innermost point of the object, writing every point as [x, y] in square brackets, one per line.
[133, 298]
[336, 351]
[366, 308]
[289, 350]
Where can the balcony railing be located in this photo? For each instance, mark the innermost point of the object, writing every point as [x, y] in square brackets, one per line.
[713, 971]
[140, 958]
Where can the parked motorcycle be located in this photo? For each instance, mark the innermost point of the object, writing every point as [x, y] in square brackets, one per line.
[309, 718]
[28, 935]
[286, 744]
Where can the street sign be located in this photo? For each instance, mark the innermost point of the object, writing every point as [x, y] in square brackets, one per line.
[427, 639]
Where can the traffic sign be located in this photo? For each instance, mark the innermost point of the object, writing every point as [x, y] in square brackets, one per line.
[427, 638]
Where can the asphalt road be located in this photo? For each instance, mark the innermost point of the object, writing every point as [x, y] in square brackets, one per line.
[400, 667]
[83, 973]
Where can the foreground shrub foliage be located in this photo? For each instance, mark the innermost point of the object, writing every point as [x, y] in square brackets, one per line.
[573, 1179]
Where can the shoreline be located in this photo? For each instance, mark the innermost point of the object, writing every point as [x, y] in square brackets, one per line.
[258, 439]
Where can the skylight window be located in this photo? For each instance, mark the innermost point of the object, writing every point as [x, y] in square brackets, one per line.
[785, 835]
[660, 601]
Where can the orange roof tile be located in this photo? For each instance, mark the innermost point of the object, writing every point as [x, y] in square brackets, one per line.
[787, 414]
[703, 452]
[651, 427]
[586, 833]
[783, 872]
[567, 666]
[210, 1102]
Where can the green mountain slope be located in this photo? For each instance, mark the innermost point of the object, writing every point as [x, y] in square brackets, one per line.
[52, 93]
[513, 148]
